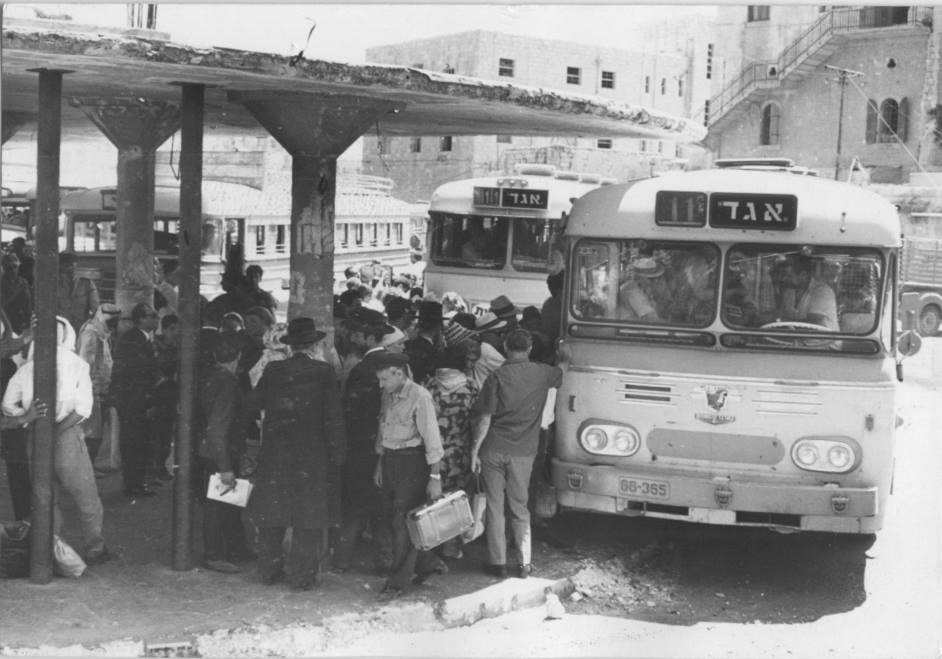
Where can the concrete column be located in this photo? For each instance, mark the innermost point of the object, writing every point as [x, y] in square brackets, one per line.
[315, 130]
[136, 127]
[48, 142]
[191, 226]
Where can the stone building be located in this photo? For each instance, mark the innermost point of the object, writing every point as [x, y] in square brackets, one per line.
[833, 88]
[658, 80]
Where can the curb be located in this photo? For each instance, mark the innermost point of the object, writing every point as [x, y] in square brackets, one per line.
[303, 639]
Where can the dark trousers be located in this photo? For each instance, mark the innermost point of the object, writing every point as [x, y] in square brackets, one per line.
[135, 431]
[223, 530]
[14, 445]
[362, 507]
[302, 563]
[405, 477]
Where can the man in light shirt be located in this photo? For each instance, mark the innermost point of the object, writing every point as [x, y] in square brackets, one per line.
[73, 468]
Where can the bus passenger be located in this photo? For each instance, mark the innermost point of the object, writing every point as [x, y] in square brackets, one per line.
[634, 303]
[693, 298]
[815, 299]
[475, 243]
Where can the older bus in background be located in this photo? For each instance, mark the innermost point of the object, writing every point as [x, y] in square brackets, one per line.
[730, 351]
[492, 236]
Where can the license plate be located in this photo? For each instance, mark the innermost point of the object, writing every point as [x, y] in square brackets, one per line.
[644, 489]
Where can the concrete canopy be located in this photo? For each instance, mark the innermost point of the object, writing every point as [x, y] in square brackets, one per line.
[428, 103]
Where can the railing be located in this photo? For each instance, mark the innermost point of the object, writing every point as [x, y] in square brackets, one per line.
[845, 19]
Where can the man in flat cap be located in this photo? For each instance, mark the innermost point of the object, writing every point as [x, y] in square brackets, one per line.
[409, 444]
[361, 404]
[303, 432]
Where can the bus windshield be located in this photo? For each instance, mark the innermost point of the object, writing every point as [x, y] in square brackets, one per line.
[468, 241]
[651, 282]
[789, 287]
[531, 244]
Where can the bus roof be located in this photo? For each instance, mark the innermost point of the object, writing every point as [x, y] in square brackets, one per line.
[827, 211]
[456, 197]
[225, 199]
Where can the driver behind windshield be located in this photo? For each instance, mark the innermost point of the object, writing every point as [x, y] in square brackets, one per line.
[815, 302]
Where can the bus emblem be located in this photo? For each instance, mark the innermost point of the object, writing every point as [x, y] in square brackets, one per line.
[716, 398]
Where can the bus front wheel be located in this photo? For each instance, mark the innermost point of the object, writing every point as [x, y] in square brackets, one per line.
[929, 319]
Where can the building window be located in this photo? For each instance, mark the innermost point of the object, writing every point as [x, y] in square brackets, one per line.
[706, 112]
[644, 146]
[344, 231]
[418, 66]
[757, 13]
[608, 80]
[680, 87]
[677, 151]
[281, 244]
[769, 126]
[445, 143]
[573, 75]
[260, 239]
[888, 121]
[604, 144]
[709, 62]
[506, 68]
[660, 147]
[647, 84]
[448, 69]
[663, 86]
[415, 145]
[504, 139]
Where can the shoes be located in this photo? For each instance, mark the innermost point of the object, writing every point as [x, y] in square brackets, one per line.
[222, 566]
[101, 557]
[422, 577]
[499, 571]
[244, 556]
[139, 493]
[523, 571]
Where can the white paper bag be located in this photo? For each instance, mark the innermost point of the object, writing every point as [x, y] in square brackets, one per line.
[237, 495]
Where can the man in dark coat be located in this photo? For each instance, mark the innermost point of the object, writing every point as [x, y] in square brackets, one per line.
[222, 442]
[361, 401]
[424, 347]
[303, 432]
[133, 379]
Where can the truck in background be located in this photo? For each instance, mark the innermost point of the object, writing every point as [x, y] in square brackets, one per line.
[921, 272]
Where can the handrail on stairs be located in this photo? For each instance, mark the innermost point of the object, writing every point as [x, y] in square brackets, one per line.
[843, 19]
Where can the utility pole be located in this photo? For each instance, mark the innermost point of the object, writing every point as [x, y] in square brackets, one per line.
[844, 74]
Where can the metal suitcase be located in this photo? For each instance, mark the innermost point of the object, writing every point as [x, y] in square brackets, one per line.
[432, 524]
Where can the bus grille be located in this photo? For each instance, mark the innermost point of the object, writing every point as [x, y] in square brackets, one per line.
[634, 392]
[776, 519]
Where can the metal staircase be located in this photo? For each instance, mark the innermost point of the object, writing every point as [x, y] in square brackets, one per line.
[808, 51]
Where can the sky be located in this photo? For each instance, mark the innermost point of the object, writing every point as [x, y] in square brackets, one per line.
[344, 31]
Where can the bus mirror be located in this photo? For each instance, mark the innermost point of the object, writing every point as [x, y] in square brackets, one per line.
[909, 343]
[909, 302]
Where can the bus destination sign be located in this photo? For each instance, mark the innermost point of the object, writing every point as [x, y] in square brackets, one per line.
[511, 198]
[762, 212]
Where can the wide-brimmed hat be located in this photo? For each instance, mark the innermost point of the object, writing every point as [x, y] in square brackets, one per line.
[490, 322]
[503, 308]
[396, 306]
[430, 310]
[370, 321]
[386, 358]
[454, 334]
[302, 331]
[647, 267]
[393, 337]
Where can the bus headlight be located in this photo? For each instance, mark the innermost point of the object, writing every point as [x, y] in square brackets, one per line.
[610, 439]
[831, 454]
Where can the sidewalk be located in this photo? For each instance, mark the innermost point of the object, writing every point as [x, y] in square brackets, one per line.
[137, 598]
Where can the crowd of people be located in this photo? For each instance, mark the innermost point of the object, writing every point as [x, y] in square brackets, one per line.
[411, 398]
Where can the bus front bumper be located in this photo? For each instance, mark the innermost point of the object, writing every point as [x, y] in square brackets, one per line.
[694, 498]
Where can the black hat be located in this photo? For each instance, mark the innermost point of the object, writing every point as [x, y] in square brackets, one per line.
[302, 331]
[430, 310]
[371, 321]
[503, 308]
[396, 307]
[387, 358]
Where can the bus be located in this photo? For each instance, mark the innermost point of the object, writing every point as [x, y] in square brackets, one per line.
[729, 351]
[369, 224]
[488, 236]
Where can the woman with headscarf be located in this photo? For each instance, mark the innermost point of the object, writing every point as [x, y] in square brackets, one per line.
[274, 351]
[454, 393]
[94, 346]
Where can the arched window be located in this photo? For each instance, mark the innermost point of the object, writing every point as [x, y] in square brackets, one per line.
[889, 121]
[769, 130]
[902, 123]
